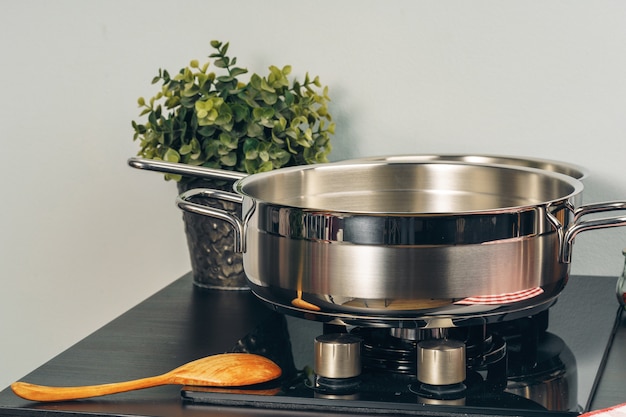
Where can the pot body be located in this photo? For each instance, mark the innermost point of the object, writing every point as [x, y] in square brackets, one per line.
[400, 258]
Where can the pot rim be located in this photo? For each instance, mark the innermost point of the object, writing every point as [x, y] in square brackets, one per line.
[241, 186]
[550, 165]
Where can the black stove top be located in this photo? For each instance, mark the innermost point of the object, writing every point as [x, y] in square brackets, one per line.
[547, 363]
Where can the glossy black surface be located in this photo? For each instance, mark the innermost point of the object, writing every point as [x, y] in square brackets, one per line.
[181, 323]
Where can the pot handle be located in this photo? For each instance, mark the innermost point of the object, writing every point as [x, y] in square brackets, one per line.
[183, 201]
[185, 169]
[579, 225]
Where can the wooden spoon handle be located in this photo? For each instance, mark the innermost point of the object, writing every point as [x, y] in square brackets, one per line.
[35, 392]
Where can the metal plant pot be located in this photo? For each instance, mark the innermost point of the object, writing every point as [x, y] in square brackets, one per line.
[214, 261]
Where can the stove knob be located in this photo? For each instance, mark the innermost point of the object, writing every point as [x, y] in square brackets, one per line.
[441, 362]
[337, 356]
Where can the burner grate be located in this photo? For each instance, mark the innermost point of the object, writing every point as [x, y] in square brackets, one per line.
[384, 352]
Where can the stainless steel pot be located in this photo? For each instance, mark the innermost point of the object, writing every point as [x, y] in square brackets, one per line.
[406, 243]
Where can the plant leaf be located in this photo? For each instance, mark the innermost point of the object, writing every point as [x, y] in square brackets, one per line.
[171, 156]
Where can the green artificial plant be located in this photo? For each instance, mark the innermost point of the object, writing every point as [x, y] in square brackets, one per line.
[219, 121]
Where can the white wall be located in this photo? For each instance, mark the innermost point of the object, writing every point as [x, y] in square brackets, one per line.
[84, 237]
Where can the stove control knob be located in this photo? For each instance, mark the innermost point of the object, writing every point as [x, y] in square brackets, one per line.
[337, 355]
[440, 362]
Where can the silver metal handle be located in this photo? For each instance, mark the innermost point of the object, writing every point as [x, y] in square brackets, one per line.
[185, 169]
[579, 225]
[183, 202]
[598, 208]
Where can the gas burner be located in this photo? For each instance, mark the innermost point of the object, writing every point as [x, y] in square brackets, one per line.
[383, 352]
[395, 350]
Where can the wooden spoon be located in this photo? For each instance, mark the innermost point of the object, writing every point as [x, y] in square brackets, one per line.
[225, 370]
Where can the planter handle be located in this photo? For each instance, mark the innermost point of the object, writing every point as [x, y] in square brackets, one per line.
[183, 201]
[577, 226]
[185, 169]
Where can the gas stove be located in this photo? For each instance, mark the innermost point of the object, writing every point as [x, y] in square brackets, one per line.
[545, 363]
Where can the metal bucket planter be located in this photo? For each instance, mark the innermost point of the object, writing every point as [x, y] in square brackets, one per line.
[214, 262]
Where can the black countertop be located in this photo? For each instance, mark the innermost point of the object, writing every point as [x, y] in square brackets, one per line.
[181, 323]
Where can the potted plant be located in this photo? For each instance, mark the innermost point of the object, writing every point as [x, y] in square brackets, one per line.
[218, 120]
